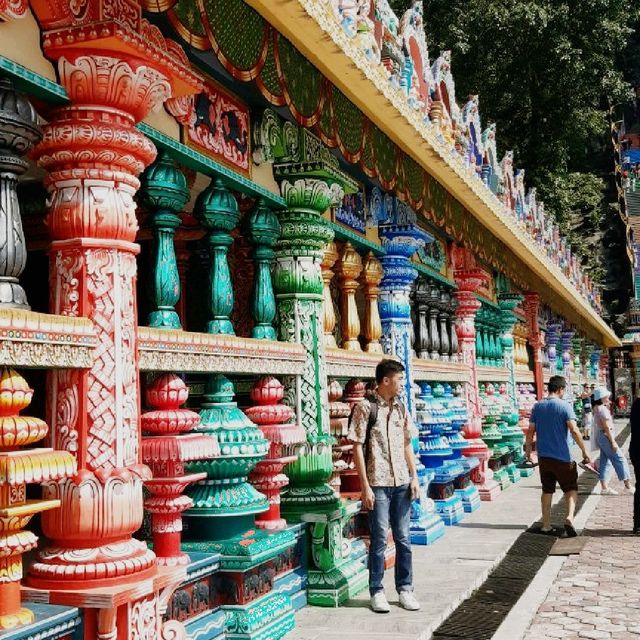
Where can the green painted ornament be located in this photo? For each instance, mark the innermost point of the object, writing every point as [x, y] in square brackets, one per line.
[263, 230]
[226, 492]
[164, 191]
[217, 211]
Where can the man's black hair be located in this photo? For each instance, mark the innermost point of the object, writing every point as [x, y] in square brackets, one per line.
[556, 383]
[386, 368]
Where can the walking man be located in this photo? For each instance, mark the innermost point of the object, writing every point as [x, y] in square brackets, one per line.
[553, 422]
[381, 430]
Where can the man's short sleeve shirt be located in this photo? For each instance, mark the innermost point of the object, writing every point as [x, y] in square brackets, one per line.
[393, 429]
[553, 438]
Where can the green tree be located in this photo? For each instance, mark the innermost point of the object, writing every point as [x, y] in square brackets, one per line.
[546, 71]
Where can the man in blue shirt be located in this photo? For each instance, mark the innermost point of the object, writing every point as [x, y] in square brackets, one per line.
[553, 422]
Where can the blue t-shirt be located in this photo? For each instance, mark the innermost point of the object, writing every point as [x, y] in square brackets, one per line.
[553, 438]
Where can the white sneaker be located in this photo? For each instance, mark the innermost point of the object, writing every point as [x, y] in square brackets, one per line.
[609, 492]
[408, 601]
[630, 490]
[379, 603]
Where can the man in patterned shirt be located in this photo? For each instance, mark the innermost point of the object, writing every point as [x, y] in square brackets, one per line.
[381, 430]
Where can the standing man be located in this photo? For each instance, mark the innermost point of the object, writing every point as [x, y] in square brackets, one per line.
[634, 456]
[381, 430]
[553, 422]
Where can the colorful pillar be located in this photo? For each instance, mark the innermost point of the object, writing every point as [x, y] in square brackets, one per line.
[17, 468]
[508, 302]
[217, 211]
[372, 274]
[469, 279]
[18, 132]
[93, 154]
[164, 192]
[566, 341]
[349, 268]
[536, 339]
[400, 241]
[553, 338]
[263, 230]
[309, 188]
[299, 291]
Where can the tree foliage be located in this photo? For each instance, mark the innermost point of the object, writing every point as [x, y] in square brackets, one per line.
[546, 72]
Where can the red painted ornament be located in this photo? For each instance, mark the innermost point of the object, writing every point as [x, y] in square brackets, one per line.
[165, 451]
[274, 420]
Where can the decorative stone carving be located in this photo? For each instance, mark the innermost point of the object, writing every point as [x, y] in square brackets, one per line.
[18, 133]
[349, 268]
[217, 210]
[275, 421]
[164, 192]
[330, 257]
[19, 467]
[166, 448]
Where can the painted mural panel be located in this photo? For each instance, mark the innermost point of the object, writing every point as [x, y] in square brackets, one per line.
[217, 125]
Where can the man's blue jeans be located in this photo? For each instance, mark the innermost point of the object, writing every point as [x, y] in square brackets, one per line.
[391, 507]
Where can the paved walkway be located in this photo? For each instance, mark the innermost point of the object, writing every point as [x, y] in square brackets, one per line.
[596, 594]
[447, 572]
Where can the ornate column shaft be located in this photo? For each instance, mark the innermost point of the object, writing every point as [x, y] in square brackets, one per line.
[421, 308]
[263, 232]
[434, 327]
[401, 241]
[567, 338]
[18, 132]
[536, 339]
[469, 279]
[217, 210]
[349, 269]
[299, 292]
[371, 277]
[445, 342]
[328, 312]
[553, 337]
[508, 302]
[93, 154]
[164, 192]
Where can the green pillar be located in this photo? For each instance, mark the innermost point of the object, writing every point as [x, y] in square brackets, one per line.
[217, 211]
[310, 182]
[508, 302]
[298, 285]
[164, 191]
[263, 229]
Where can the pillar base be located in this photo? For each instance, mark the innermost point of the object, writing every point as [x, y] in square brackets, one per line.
[451, 510]
[332, 588]
[112, 564]
[16, 619]
[427, 529]
[470, 497]
[489, 490]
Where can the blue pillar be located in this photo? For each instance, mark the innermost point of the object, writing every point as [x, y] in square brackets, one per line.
[400, 241]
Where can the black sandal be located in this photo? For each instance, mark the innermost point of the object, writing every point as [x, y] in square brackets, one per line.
[570, 530]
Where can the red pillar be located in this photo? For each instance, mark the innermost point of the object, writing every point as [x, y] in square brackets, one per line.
[115, 73]
[469, 279]
[536, 339]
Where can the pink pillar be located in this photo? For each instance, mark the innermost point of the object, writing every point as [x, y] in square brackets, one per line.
[469, 279]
